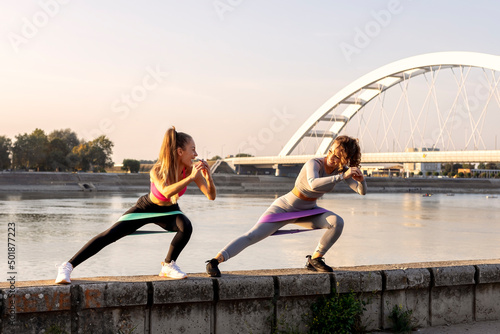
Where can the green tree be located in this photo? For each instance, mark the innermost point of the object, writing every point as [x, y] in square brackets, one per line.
[72, 160]
[446, 168]
[40, 148]
[20, 152]
[67, 136]
[491, 165]
[101, 150]
[5, 150]
[449, 167]
[58, 151]
[30, 151]
[80, 157]
[243, 155]
[131, 165]
[217, 157]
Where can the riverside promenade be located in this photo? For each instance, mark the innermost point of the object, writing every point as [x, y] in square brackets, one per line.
[444, 297]
[231, 183]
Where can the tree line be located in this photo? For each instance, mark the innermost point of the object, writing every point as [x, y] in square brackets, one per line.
[60, 150]
[452, 170]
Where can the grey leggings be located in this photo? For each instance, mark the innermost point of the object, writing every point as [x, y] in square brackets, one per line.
[328, 220]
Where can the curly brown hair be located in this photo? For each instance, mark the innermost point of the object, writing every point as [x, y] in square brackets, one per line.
[349, 151]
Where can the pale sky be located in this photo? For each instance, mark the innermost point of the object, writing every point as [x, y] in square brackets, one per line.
[224, 71]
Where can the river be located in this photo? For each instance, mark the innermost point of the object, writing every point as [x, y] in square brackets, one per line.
[379, 229]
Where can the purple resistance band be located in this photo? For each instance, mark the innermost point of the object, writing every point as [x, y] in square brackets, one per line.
[277, 217]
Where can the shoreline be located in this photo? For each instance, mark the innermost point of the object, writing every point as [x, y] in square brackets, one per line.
[230, 183]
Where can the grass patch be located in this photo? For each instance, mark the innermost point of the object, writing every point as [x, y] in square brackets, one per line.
[338, 313]
[402, 319]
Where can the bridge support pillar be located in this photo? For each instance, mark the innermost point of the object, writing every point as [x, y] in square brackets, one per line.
[277, 170]
[287, 170]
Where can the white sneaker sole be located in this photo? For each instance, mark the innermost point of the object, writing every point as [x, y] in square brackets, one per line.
[63, 281]
[178, 277]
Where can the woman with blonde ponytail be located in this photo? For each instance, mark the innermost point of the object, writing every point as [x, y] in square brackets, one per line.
[170, 176]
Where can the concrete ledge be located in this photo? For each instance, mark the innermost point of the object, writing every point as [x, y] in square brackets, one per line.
[488, 273]
[182, 291]
[370, 281]
[103, 295]
[250, 287]
[43, 299]
[252, 301]
[451, 276]
[304, 285]
[407, 279]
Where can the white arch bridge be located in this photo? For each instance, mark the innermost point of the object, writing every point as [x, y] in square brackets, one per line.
[446, 104]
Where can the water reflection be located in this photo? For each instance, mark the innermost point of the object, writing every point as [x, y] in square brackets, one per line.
[379, 228]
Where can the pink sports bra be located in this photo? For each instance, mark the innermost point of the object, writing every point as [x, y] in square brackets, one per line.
[160, 196]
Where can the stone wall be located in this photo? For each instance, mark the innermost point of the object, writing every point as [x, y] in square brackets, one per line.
[249, 302]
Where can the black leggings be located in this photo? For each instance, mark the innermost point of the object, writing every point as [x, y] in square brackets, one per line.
[175, 223]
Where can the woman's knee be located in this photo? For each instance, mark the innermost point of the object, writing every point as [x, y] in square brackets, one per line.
[184, 225]
[336, 222]
[252, 237]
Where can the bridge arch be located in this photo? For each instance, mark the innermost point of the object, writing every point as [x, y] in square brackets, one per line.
[361, 91]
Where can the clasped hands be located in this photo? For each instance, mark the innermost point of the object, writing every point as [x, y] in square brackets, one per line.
[355, 173]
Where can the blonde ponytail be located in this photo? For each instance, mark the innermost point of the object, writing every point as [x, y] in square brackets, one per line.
[166, 167]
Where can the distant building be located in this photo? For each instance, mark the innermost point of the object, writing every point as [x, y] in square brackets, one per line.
[424, 167]
[382, 170]
[487, 172]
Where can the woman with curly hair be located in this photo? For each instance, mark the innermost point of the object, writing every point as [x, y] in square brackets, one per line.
[317, 177]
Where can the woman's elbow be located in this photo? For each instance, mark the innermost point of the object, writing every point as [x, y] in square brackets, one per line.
[211, 197]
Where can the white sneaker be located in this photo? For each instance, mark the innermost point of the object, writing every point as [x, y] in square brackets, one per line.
[171, 270]
[63, 272]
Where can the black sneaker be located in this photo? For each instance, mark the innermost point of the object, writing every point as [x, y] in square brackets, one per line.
[308, 263]
[317, 264]
[213, 268]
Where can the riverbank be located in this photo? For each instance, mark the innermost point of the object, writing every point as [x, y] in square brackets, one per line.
[230, 183]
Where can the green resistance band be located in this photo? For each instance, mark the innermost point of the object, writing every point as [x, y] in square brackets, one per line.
[144, 215]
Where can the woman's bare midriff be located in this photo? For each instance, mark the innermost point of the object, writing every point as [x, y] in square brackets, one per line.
[157, 201]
